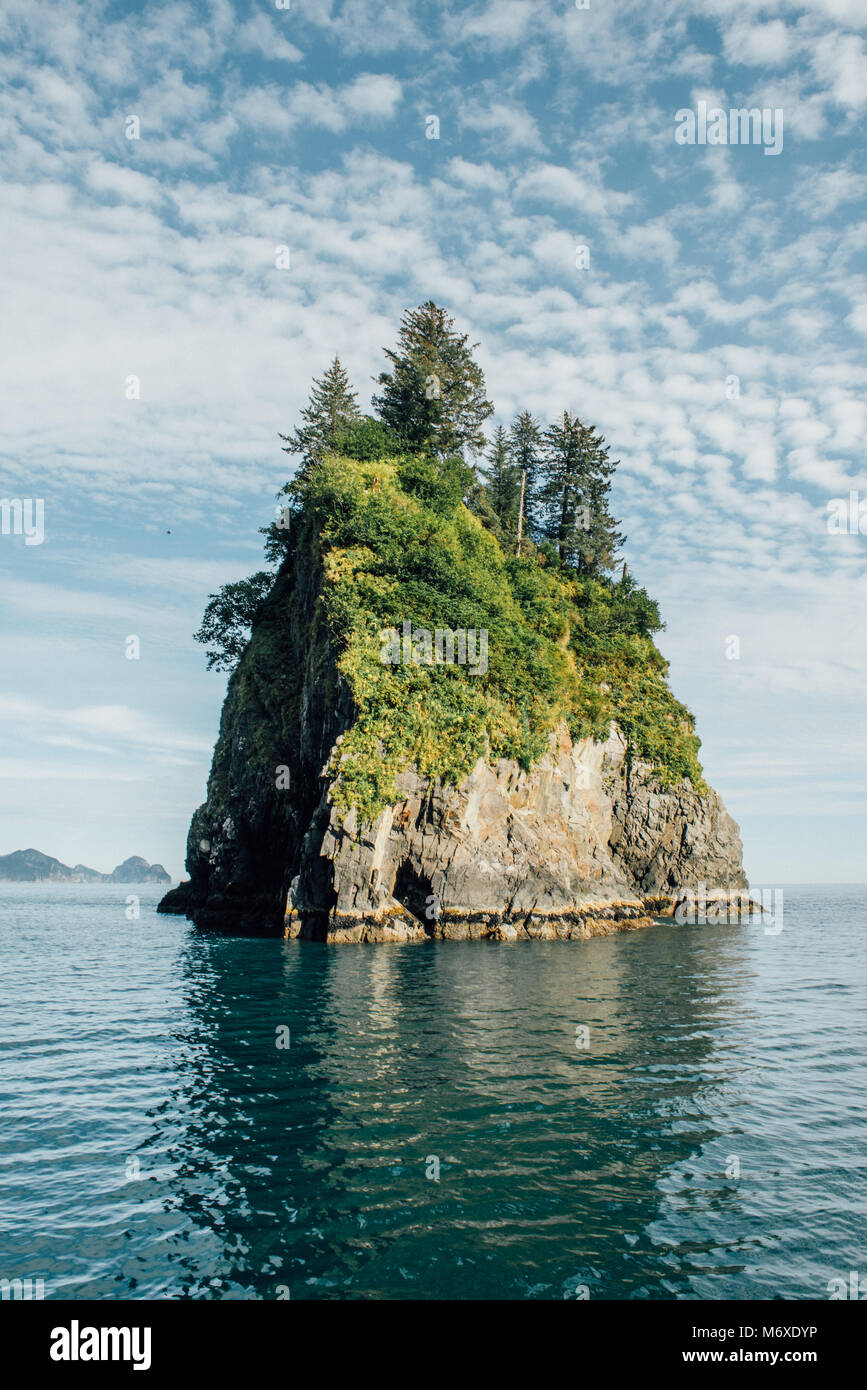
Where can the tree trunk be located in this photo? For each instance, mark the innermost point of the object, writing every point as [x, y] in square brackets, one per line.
[521, 509]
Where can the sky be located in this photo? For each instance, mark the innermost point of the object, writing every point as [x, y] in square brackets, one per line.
[155, 340]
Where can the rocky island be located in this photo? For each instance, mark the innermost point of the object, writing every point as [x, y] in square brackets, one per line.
[32, 866]
[446, 717]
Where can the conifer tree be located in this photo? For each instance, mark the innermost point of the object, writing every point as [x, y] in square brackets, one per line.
[433, 398]
[524, 450]
[573, 498]
[599, 541]
[332, 407]
[502, 481]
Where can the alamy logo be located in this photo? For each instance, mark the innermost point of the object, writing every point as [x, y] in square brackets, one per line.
[420, 647]
[17, 519]
[741, 126]
[22, 1288]
[696, 905]
[76, 1343]
[847, 517]
[838, 1288]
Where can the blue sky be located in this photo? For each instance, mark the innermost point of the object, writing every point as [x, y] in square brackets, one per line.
[260, 127]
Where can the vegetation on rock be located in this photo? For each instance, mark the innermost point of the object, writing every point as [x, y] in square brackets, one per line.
[400, 529]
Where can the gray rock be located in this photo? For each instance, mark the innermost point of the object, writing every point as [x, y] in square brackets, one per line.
[583, 843]
[580, 845]
[577, 842]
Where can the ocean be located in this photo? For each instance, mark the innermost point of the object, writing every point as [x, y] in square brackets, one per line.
[674, 1113]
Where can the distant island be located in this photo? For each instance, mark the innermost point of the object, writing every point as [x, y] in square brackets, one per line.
[31, 866]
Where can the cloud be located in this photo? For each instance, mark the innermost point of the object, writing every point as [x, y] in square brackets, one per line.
[552, 183]
[260, 35]
[373, 95]
[502, 24]
[829, 189]
[508, 125]
[368, 26]
[839, 61]
[478, 176]
[118, 725]
[126, 184]
[758, 45]
[369, 97]
[156, 258]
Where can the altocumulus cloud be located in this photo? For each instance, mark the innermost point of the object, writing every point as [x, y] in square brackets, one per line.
[155, 258]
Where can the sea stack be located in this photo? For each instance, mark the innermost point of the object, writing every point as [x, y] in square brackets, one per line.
[355, 796]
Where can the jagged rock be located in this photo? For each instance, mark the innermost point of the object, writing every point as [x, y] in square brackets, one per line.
[585, 842]
[582, 844]
[570, 849]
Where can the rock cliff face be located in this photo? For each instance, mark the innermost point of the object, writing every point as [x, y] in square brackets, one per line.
[576, 846]
[586, 842]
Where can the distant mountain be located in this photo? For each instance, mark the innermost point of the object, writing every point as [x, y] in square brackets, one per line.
[80, 874]
[31, 866]
[138, 870]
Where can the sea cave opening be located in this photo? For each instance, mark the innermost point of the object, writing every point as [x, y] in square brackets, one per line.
[413, 891]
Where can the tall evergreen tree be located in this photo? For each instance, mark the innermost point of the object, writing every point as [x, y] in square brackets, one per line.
[433, 398]
[332, 407]
[573, 498]
[600, 541]
[502, 481]
[525, 440]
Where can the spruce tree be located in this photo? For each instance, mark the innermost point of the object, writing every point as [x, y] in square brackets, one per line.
[331, 408]
[433, 398]
[600, 540]
[502, 481]
[525, 439]
[573, 498]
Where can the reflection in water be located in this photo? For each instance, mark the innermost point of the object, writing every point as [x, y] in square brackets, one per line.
[432, 1130]
[552, 1160]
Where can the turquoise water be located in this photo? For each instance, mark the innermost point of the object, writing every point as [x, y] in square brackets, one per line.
[156, 1142]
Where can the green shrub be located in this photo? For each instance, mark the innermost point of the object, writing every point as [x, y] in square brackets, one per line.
[398, 546]
[439, 484]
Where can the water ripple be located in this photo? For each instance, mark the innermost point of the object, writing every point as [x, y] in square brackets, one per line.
[433, 1130]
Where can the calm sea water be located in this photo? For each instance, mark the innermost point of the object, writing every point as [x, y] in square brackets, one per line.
[156, 1142]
